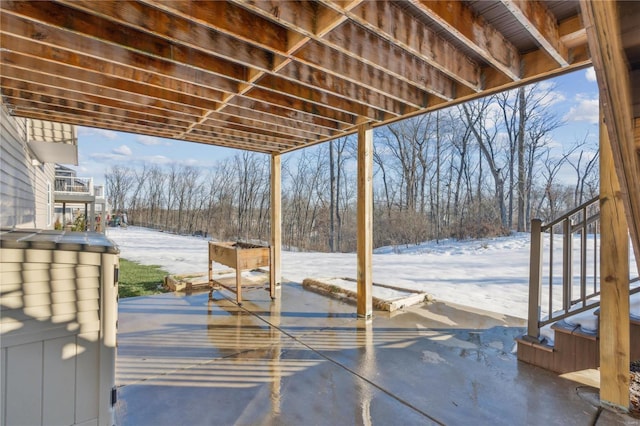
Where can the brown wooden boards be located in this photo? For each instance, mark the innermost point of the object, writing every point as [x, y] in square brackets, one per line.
[614, 283]
[263, 77]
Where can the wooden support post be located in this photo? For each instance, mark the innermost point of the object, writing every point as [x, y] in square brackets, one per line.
[210, 271]
[238, 277]
[535, 281]
[602, 25]
[276, 225]
[365, 220]
[614, 283]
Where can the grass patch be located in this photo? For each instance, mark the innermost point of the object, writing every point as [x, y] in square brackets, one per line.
[140, 280]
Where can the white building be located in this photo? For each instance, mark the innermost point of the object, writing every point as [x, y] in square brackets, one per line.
[33, 182]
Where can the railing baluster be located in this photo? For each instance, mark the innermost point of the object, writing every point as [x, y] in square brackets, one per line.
[567, 269]
[596, 263]
[584, 224]
[583, 259]
[551, 271]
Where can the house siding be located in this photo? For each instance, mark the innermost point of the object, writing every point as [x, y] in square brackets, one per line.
[23, 186]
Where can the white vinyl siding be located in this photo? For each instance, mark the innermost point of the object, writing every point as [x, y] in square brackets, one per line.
[23, 185]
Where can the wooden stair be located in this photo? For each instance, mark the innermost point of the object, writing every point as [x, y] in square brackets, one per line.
[574, 349]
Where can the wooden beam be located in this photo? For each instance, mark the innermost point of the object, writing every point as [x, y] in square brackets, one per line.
[369, 77]
[225, 17]
[330, 82]
[280, 133]
[130, 127]
[285, 113]
[614, 283]
[248, 116]
[223, 132]
[311, 95]
[572, 32]
[287, 101]
[99, 112]
[28, 90]
[220, 16]
[541, 24]
[365, 221]
[355, 41]
[537, 66]
[275, 275]
[357, 45]
[460, 22]
[122, 78]
[405, 31]
[603, 32]
[118, 23]
[48, 25]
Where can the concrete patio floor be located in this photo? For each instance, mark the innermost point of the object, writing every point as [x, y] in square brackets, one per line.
[306, 359]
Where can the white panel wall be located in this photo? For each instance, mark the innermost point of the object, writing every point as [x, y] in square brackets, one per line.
[57, 337]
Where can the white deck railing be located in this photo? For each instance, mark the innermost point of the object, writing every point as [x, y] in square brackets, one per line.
[74, 185]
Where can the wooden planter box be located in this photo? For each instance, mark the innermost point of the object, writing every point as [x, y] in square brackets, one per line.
[239, 256]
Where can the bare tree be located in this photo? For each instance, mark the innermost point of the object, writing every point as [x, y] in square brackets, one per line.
[139, 177]
[483, 126]
[119, 181]
[585, 164]
[337, 156]
[155, 193]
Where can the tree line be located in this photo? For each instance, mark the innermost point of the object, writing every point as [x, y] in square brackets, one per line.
[479, 169]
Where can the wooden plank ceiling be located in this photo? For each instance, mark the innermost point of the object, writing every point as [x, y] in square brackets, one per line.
[272, 76]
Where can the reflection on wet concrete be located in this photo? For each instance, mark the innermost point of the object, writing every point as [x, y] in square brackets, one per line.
[307, 359]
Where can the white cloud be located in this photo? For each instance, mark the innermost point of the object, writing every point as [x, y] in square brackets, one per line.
[586, 109]
[122, 150]
[102, 157]
[162, 160]
[548, 94]
[590, 74]
[191, 162]
[91, 132]
[158, 159]
[150, 140]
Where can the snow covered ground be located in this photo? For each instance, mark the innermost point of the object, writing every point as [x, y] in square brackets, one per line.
[490, 274]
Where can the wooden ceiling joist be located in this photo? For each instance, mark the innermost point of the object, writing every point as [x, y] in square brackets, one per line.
[63, 98]
[539, 22]
[45, 84]
[475, 33]
[267, 75]
[409, 33]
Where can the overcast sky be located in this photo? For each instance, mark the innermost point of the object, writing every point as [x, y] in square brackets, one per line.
[575, 101]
